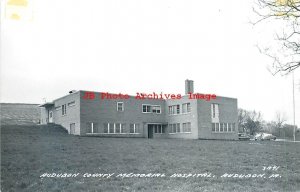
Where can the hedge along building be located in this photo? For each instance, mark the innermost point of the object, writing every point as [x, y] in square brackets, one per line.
[85, 113]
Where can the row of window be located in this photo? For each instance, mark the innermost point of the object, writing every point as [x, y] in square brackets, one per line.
[112, 128]
[223, 127]
[159, 128]
[145, 108]
[151, 109]
[175, 109]
[175, 128]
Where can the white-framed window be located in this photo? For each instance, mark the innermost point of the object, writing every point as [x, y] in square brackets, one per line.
[158, 128]
[186, 108]
[174, 127]
[114, 128]
[120, 106]
[111, 128]
[146, 108]
[174, 109]
[213, 127]
[215, 113]
[223, 127]
[170, 110]
[187, 127]
[178, 130]
[105, 126]
[118, 128]
[92, 127]
[64, 109]
[177, 109]
[72, 103]
[189, 108]
[233, 127]
[134, 128]
[151, 108]
[156, 109]
[229, 127]
[170, 127]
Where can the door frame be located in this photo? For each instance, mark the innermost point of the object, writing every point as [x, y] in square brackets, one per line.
[50, 116]
[150, 131]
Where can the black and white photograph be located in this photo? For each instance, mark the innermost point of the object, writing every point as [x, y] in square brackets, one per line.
[150, 95]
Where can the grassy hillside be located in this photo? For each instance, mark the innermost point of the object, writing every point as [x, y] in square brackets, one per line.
[19, 114]
[28, 152]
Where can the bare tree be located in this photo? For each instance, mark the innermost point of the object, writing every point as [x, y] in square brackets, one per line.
[280, 118]
[287, 57]
[249, 121]
[242, 119]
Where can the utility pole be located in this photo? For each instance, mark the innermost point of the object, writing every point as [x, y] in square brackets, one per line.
[294, 107]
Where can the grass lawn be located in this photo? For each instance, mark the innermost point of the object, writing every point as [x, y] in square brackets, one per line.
[27, 152]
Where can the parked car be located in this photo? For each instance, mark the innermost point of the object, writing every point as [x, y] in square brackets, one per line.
[243, 136]
[264, 136]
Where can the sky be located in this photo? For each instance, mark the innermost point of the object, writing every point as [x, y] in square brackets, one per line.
[49, 47]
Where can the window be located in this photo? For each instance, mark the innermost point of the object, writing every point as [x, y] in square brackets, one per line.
[117, 128]
[64, 109]
[215, 112]
[158, 129]
[178, 128]
[221, 127]
[170, 126]
[146, 108]
[213, 127]
[120, 106]
[92, 128]
[134, 128]
[156, 109]
[123, 128]
[170, 110]
[105, 125]
[186, 108]
[177, 109]
[174, 109]
[151, 109]
[174, 128]
[72, 103]
[225, 127]
[233, 127]
[114, 128]
[111, 128]
[217, 127]
[186, 127]
[164, 127]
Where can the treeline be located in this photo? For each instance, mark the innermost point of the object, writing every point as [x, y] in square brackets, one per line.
[252, 122]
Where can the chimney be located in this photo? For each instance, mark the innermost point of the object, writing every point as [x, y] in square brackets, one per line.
[189, 86]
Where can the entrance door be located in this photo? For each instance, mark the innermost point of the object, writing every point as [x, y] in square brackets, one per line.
[50, 117]
[150, 131]
[72, 128]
